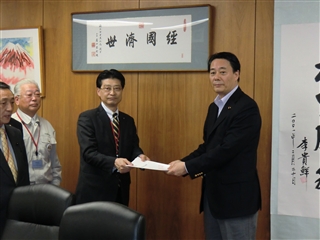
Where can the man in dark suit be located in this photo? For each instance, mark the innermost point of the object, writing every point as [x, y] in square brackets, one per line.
[14, 141]
[105, 154]
[227, 158]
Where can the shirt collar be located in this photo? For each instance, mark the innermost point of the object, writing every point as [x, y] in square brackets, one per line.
[226, 97]
[108, 111]
[26, 118]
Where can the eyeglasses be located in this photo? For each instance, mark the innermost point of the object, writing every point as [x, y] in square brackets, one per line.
[30, 94]
[109, 89]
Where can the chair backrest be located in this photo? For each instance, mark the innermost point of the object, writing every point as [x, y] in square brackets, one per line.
[101, 220]
[35, 212]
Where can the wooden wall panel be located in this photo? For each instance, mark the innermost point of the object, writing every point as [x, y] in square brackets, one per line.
[263, 96]
[169, 108]
[16, 13]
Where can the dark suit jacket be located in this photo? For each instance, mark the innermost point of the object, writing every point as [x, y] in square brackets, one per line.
[228, 158]
[16, 124]
[97, 182]
[7, 183]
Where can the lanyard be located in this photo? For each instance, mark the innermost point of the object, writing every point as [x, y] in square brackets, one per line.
[32, 138]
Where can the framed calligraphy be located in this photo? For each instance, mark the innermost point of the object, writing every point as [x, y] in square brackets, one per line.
[162, 39]
[21, 56]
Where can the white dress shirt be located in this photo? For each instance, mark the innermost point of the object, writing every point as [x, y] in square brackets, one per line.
[220, 102]
[44, 164]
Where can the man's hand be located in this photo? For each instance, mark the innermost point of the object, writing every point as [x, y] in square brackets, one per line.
[177, 168]
[121, 165]
[144, 157]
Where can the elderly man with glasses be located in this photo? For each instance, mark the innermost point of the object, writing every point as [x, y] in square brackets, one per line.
[38, 134]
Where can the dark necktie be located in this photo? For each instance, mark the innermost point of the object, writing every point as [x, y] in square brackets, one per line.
[116, 131]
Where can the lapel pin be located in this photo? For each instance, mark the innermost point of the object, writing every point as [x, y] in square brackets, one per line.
[229, 107]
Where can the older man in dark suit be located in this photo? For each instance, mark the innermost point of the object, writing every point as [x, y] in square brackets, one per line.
[227, 158]
[13, 159]
[108, 143]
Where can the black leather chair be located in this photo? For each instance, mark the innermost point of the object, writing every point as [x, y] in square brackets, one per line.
[35, 212]
[101, 220]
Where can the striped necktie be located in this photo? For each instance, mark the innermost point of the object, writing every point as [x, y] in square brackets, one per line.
[116, 131]
[7, 154]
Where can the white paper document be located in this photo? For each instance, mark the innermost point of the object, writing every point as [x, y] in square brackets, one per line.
[138, 163]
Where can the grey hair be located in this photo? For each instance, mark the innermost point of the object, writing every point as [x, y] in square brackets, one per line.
[17, 87]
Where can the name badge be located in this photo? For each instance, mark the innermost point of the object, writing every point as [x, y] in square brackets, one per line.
[37, 164]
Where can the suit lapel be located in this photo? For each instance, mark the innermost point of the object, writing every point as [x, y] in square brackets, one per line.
[212, 118]
[123, 127]
[4, 165]
[105, 124]
[227, 109]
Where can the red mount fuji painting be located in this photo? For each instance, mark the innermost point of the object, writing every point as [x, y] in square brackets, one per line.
[21, 56]
[15, 64]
